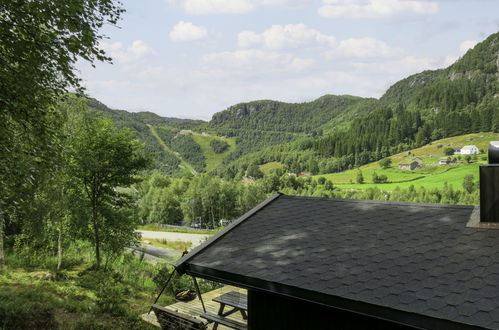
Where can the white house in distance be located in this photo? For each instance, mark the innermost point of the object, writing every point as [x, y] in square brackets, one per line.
[470, 150]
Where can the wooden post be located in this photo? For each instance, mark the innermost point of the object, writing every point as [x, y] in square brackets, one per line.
[164, 287]
[198, 292]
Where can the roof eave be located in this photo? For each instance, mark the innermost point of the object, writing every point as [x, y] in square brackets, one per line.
[414, 320]
[180, 264]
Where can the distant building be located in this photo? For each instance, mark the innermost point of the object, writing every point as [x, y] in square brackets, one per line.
[418, 160]
[446, 161]
[457, 150]
[305, 174]
[414, 164]
[470, 150]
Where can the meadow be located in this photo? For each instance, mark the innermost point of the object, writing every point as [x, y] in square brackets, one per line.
[213, 159]
[430, 175]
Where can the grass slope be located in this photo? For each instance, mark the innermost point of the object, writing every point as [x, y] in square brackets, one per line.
[183, 163]
[430, 176]
[213, 159]
[268, 167]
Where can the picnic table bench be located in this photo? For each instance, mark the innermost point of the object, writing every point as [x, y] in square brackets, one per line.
[172, 320]
[239, 303]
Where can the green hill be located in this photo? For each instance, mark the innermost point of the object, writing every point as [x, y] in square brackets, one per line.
[430, 175]
[332, 133]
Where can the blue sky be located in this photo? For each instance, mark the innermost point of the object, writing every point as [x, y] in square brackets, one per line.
[192, 58]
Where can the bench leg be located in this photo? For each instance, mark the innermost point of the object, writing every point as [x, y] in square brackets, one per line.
[243, 314]
[220, 312]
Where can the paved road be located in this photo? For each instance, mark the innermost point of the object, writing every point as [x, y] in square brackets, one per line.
[154, 253]
[195, 239]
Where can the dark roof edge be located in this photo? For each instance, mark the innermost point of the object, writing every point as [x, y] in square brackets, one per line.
[406, 318]
[180, 264]
[381, 201]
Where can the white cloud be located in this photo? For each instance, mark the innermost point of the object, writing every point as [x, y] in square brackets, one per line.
[186, 31]
[257, 59]
[108, 84]
[285, 37]
[206, 7]
[363, 48]
[467, 45]
[137, 50]
[375, 8]
[209, 7]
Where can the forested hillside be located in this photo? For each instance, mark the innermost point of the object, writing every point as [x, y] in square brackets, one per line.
[462, 98]
[333, 133]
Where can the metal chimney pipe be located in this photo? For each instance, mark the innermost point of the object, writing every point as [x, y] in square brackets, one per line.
[489, 186]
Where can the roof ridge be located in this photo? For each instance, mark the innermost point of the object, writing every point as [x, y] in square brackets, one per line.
[179, 264]
[377, 201]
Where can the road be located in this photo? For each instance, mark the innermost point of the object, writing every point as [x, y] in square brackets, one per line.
[195, 239]
[154, 253]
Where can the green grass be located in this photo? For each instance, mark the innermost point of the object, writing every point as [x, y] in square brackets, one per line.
[268, 167]
[173, 245]
[350, 176]
[429, 176]
[213, 159]
[185, 165]
[452, 175]
[175, 230]
[35, 296]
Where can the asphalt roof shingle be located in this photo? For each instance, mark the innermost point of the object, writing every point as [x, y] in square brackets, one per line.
[416, 258]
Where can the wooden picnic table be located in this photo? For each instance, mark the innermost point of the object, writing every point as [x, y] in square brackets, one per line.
[239, 303]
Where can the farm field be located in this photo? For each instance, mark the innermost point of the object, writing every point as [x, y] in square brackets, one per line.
[453, 176]
[430, 175]
[213, 159]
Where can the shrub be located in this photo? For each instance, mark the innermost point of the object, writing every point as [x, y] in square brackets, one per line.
[379, 178]
[219, 146]
[26, 309]
[448, 151]
[360, 177]
[110, 298]
[328, 185]
[90, 323]
[385, 163]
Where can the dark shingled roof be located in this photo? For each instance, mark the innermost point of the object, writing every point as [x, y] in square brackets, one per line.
[415, 264]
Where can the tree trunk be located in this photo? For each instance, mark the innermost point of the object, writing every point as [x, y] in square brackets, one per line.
[2, 259]
[96, 235]
[59, 250]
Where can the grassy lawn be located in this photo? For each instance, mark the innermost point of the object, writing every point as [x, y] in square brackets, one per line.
[268, 167]
[173, 245]
[213, 159]
[33, 295]
[175, 230]
[453, 175]
[350, 176]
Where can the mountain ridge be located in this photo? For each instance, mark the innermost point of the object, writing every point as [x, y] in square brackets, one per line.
[340, 131]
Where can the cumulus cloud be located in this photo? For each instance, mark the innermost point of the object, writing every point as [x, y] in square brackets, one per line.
[467, 45]
[375, 8]
[186, 31]
[251, 59]
[118, 51]
[208, 7]
[285, 37]
[363, 48]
